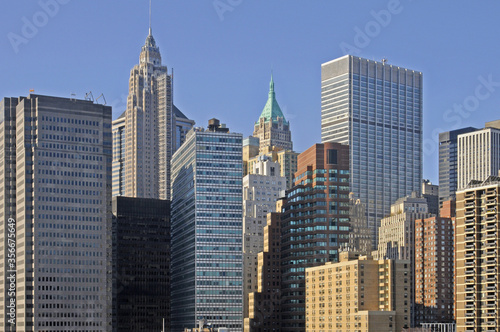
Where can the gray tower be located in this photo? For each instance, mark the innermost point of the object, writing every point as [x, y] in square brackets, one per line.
[376, 109]
[55, 157]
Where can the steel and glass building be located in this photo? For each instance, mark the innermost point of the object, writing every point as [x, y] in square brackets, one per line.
[375, 108]
[448, 163]
[207, 215]
[55, 161]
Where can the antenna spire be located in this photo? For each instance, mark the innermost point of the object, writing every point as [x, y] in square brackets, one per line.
[150, 32]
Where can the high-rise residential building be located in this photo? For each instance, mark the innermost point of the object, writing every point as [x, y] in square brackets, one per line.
[261, 189]
[264, 305]
[141, 264]
[434, 267]
[448, 163]
[149, 131]
[55, 161]
[207, 214]
[376, 109]
[287, 160]
[431, 194]
[397, 237]
[477, 250]
[478, 154]
[358, 294]
[272, 129]
[314, 225]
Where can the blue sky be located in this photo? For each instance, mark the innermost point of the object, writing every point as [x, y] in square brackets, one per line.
[223, 51]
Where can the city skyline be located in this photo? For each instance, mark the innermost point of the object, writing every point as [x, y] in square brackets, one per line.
[208, 45]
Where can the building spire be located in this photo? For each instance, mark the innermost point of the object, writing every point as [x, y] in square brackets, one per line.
[271, 84]
[150, 30]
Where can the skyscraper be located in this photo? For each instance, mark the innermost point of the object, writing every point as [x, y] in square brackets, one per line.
[315, 224]
[477, 256]
[478, 154]
[272, 129]
[55, 157]
[141, 264]
[207, 230]
[261, 189]
[149, 131]
[431, 194]
[375, 108]
[448, 163]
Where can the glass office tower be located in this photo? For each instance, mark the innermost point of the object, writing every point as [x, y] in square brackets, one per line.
[207, 212]
[375, 108]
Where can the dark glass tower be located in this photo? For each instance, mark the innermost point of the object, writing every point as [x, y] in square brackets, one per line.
[141, 264]
[448, 163]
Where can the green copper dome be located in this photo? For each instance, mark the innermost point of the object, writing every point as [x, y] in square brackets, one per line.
[272, 110]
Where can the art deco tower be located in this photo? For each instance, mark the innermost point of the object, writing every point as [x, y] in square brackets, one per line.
[150, 130]
[272, 129]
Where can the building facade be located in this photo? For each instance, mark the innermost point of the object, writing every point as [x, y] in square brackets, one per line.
[477, 251]
[272, 129]
[434, 268]
[478, 154]
[55, 157]
[448, 163]
[261, 189]
[315, 224]
[431, 194]
[285, 158]
[141, 264]
[264, 314]
[207, 216]
[149, 131]
[358, 294]
[376, 109]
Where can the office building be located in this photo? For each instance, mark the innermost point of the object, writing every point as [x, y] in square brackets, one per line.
[141, 264]
[149, 131]
[477, 250]
[448, 163]
[55, 157]
[314, 225]
[431, 194]
[358, 294]
[207, 214]
[478, 154]
[264, 314]
[261, 189]
[360, 239]
[272, 129]
[434, 267]
[376, 109]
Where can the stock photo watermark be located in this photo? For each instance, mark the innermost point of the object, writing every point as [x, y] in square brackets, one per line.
[223, 6]
[363, 36]
[31, 25]
[462, 111]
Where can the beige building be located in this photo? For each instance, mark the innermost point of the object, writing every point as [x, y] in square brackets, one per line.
[358, 294]
[477, 250]
[250, 150]
[287, 160]
[261, 189]
[150, 130]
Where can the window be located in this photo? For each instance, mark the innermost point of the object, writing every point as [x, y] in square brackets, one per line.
[332, 156]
